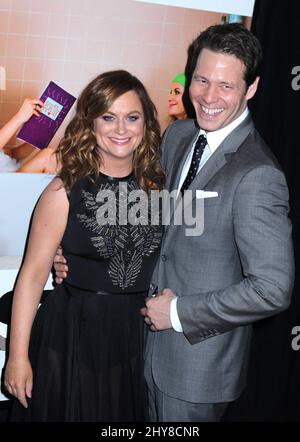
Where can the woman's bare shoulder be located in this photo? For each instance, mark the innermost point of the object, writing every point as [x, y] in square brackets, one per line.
[55, 190]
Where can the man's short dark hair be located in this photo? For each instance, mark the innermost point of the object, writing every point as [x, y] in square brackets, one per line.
[233, 39]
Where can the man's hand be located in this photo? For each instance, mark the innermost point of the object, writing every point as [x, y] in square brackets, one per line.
[157, 310]
[60, 266]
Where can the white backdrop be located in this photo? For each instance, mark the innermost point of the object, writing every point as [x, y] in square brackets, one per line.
[239, 7]
[18, 195]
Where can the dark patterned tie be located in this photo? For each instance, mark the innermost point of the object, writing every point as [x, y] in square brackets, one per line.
[197, 154]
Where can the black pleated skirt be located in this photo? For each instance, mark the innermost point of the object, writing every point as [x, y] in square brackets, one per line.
[86, 352]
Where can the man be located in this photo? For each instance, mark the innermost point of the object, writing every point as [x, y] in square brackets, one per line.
[213, 286]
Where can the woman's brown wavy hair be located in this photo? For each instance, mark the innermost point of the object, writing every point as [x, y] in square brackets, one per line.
[78, 152]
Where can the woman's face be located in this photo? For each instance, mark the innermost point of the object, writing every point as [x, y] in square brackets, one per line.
[119, 131]
[176, 108]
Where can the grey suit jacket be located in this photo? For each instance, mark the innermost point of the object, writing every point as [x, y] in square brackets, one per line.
[240, 270]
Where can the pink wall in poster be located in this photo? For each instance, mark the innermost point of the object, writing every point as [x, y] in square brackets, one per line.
[71, 41]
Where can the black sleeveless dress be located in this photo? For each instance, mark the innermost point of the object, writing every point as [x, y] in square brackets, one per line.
[86, 345]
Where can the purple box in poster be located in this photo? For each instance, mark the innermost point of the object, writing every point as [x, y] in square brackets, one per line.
[39, 131]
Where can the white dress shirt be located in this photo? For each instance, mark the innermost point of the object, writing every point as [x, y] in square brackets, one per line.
[214, 139]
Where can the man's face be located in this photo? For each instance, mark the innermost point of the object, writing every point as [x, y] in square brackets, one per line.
[218, 90]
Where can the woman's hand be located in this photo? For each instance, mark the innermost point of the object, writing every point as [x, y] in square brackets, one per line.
[18, 379]
[31, 106]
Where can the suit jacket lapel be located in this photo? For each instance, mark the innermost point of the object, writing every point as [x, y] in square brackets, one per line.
[223, 153]
[178, 162]
[180, 158]
[219, 158]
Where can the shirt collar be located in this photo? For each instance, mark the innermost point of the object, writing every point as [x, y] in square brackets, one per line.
[215, 138]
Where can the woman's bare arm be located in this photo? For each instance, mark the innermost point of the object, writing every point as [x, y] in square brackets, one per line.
[46, 233]
[28, 108]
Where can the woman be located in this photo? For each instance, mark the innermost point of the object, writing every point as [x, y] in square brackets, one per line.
[85, 358]
[176, 108]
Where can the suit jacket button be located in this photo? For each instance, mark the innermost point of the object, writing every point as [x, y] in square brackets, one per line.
[163, 258]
